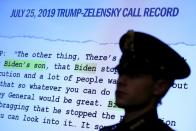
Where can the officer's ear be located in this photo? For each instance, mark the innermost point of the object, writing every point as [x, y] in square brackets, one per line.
[160, 87]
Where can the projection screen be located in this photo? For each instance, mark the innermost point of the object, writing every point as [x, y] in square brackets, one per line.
[57, 61]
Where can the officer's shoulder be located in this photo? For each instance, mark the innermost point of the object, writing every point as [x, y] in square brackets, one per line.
[109, 128]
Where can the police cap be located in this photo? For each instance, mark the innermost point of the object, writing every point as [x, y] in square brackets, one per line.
[145, 54]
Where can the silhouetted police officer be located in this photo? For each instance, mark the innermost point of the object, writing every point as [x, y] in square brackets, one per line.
[147, 68]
